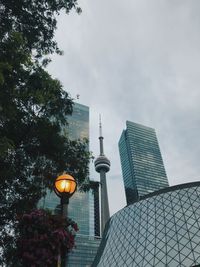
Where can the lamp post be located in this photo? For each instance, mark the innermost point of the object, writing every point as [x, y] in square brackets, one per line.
[65, 186]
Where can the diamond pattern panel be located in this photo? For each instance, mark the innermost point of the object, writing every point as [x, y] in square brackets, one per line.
[159, 231]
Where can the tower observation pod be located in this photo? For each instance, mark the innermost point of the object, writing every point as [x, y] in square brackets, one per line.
[102, 166]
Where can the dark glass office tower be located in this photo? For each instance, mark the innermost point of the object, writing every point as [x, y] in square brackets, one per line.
[81, 204]
[83, 207]
[142, 165]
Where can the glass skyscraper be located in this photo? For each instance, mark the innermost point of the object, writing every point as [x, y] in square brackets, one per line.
[81, 204]
[142, 165]
[161, 225]
[83, 207]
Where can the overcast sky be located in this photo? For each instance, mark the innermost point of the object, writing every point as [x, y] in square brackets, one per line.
[136, 60]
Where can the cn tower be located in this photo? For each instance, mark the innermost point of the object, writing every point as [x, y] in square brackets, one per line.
[102, 166]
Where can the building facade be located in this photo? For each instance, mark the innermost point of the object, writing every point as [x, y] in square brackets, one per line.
[142, 165]
[83, 207]
[161, 229]
[85, 252]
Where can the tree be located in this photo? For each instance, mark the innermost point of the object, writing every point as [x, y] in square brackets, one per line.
[35, 20]
[33, 106]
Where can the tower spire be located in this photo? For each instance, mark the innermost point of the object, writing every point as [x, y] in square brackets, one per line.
[100, 126]
[100, 137]
[102, 165]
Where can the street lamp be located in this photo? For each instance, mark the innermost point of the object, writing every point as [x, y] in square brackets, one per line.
[64, 187]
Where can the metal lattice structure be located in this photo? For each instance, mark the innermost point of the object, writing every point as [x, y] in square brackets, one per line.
[162, 229]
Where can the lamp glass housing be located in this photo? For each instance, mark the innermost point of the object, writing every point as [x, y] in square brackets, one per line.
[65, 183]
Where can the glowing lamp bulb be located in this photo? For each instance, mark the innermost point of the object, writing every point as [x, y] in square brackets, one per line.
[65, 183]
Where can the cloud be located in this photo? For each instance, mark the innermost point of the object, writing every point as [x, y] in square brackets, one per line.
[136, 60]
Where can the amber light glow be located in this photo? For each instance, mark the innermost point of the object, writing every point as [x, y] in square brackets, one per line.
[65, 183]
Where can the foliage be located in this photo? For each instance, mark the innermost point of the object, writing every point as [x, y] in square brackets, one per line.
[36, 20]
[43, 237]
[33, 108]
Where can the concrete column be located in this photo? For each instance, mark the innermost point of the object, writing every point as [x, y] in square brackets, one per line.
[105, 214]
